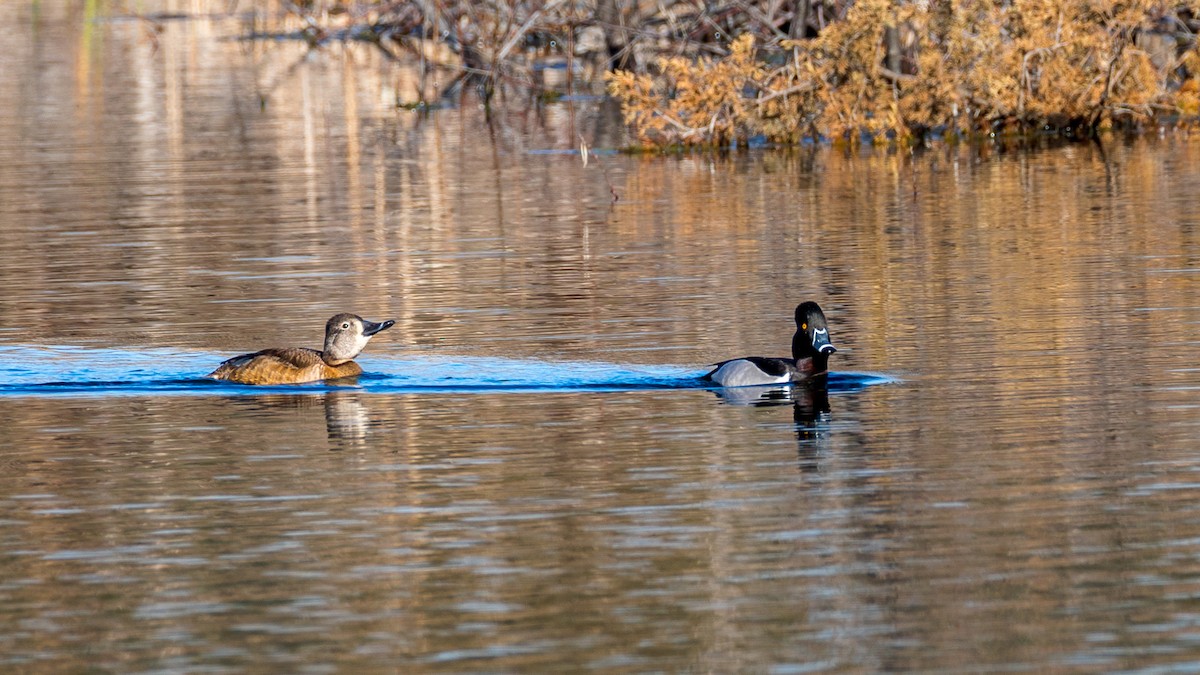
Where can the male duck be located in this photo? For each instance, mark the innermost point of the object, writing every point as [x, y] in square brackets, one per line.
[810, 356]
[345, 336]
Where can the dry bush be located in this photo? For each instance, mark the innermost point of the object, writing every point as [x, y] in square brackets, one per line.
[693, 102]
[836, 69]
[891, 70]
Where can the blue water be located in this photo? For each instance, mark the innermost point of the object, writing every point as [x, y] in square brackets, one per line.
[85, 371]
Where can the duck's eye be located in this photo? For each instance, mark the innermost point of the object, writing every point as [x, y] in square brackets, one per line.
[345, 325]
[804, 326]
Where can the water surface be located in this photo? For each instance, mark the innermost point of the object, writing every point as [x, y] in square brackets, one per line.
[1001, 475]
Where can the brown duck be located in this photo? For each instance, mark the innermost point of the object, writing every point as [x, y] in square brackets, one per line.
[345, 337]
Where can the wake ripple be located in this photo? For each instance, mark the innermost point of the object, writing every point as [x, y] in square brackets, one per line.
[83, 371]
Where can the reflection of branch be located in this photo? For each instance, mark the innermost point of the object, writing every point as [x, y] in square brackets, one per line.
[387, 53]
[584, 152]
[153, 30]
[287, 73]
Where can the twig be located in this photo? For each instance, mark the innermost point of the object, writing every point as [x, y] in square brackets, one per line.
[894, 77]
[516, 37]
[761, 18]
[807, 86]
[1025, 73]
[1107, 91]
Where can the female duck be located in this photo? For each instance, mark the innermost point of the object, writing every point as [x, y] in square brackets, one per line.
[810, 356]
[345, 336]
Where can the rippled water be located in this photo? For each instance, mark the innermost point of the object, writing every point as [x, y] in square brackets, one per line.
[1001, 475]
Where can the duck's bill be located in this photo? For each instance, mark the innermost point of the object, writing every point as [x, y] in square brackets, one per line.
[821, 342]
[370, 327]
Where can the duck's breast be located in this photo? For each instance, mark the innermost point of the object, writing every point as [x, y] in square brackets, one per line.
[347, 369]
[807, 368]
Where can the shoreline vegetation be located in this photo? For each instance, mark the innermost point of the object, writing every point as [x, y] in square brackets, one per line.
[734, 72]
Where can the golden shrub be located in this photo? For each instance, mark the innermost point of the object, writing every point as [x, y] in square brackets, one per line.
[692, 102]
[965, 67]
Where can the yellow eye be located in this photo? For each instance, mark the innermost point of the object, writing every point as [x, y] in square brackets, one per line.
[803, 326]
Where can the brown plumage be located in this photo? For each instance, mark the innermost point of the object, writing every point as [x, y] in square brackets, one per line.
[345, 337]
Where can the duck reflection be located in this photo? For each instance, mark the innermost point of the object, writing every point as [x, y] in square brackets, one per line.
[347, 420]
[812, 416]
[809, 399]
[810, 413]
[761, 396]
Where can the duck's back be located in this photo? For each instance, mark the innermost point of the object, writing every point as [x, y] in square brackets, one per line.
[758, 370]
[752, 370]
[292, 365]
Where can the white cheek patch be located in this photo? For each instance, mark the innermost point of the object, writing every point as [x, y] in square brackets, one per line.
[360, 342]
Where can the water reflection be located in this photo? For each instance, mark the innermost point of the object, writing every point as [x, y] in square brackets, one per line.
[490, 507]
[765, 395]
[812, 416]
[811, 412]
[347, 418]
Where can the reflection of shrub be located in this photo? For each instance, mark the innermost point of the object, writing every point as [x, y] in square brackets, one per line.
[901, 71]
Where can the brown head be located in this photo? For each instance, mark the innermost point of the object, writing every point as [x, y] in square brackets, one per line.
[346, 335]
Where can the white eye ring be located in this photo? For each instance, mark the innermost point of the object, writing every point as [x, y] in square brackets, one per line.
[346, 324]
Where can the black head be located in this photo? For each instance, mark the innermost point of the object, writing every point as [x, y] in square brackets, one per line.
[812, 333]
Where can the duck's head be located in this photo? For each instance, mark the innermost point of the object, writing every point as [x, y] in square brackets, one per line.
[346, 335]
[812, 332]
